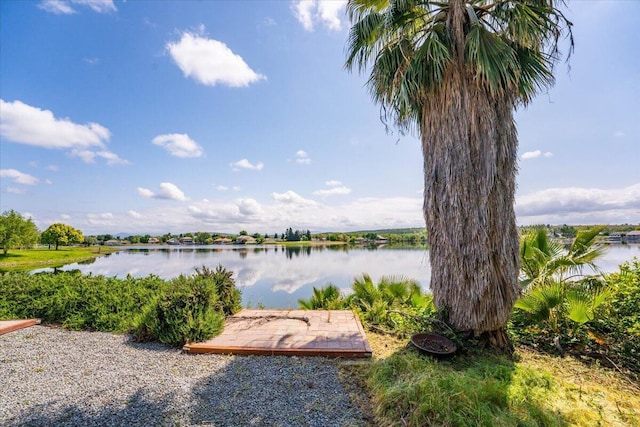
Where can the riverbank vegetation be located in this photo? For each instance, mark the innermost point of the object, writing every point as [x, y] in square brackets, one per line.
[184, 309]
[24, 259]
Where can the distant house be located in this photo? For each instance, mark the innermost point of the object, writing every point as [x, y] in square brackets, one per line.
[633, 237]
[187, 240]
[246, 240]
[112, 243]
[222, 241]
[153, 241]
[381, 240]
[173, 241]
[614, 238]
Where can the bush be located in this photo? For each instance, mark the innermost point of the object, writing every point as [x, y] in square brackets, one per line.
[326, 298]
[75, 301]
[620, 327]
[395, 305]
[229, 296]
[186, 312]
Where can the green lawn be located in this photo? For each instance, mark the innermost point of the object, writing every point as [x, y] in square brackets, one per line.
[20, 259]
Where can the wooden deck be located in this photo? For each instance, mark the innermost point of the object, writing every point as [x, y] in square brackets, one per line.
[332, 333]
[7, 326]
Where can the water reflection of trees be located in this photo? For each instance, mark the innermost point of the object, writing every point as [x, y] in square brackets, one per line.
[290, 251]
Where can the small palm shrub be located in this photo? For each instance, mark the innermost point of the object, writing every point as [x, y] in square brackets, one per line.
[186, 312]
[326, 298]
[395, 305]
[559, 302]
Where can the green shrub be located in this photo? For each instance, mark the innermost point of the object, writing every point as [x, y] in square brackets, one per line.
[326, 298]
[229, 296]
[620, 326]
[395, 304]
[185, 312]
[75, 301]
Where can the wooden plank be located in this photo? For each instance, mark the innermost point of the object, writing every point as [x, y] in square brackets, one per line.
[7, 326]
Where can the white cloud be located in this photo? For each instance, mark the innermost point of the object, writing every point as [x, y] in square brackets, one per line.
[291, 197]
[178, 145]
[111, 158]
[249, 207]
[325, 12]
[531, 154]
[106, 215]
[341, 191]
[145, 192]
[24, 124]
[535, 154]
[211, 62]
[246, 164]
[134, 214]
[168, 191]
[555, 205]
[619, 134]
[48, 181]
[302, 157]
[222, 187]
[58, 7]
[14, 190]
[64, 7]
[65, 216]
[91, 61]
[336, 188]
[18, 177]
[235, 188]
[53, 168]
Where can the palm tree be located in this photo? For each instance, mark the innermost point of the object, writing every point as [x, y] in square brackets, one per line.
[455, 71]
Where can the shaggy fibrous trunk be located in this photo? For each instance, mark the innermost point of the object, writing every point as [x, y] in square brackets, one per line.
[470, 146]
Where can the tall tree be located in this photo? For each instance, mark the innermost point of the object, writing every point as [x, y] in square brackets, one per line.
[16, 231]
[455, 71]
[61, 234]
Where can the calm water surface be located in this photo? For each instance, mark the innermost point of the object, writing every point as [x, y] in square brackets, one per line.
[277, 276]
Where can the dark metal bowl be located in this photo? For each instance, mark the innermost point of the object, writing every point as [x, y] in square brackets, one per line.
[433, 344]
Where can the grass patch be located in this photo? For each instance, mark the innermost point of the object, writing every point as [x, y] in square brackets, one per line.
[401, 387]
[21, 259]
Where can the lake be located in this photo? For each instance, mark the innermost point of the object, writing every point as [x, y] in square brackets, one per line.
[277, 276]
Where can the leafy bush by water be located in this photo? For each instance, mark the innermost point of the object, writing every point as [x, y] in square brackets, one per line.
[76, 301]
[229, 296]
[185, 312]
[186, 309]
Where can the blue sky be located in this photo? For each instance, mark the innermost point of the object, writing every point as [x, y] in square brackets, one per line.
[163, 116]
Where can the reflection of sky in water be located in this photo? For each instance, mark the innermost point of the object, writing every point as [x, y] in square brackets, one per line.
[279, 276]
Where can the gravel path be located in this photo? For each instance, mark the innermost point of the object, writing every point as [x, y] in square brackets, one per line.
[51, 377]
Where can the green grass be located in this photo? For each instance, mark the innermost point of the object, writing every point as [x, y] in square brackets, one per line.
[408, 389]
[21, 259]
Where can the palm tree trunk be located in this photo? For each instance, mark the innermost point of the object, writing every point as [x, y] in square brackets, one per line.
[470, 151]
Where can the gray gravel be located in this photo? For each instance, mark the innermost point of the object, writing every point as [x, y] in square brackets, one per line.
[51, 377]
